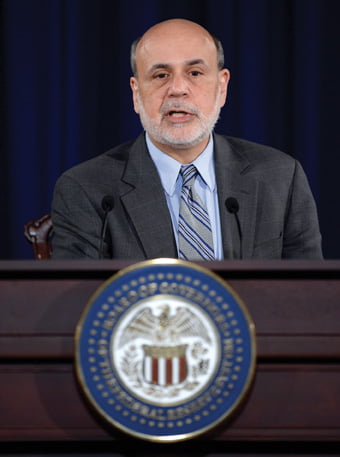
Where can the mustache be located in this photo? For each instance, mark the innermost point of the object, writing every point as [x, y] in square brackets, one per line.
[178, 106]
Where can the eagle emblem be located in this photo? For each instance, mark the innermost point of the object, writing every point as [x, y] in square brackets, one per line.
[163, 345]
[164, 328]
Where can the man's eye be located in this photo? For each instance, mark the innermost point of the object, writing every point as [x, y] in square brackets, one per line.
[161, 75]
[195, 73]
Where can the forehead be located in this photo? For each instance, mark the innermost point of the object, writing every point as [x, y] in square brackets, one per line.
[173, 46]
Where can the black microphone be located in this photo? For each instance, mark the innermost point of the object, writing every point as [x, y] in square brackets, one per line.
[232, 206]
[107, 206]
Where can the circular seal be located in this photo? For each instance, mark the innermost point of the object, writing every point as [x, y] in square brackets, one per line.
[165, 350]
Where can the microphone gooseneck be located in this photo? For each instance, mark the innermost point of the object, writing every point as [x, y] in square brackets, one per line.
[107, 206]
[233, 207]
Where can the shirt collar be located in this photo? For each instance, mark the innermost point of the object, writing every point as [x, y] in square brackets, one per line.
[168, 168]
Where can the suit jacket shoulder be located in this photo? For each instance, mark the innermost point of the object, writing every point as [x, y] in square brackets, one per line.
[139, 226]
[277, 210]
[256, 155]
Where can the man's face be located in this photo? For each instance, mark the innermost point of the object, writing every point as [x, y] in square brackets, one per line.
[178, 91]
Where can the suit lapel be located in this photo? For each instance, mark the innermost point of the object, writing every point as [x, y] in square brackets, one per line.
[145, 203]
[232, 181]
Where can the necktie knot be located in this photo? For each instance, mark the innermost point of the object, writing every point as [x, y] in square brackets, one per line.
[189, 173]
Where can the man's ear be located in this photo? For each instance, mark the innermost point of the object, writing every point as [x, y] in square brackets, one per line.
[224, 77]
[134, 88]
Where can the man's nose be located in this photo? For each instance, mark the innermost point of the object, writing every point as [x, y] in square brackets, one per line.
[178, 86]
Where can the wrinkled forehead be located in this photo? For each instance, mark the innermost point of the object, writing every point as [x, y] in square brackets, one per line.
[173, 45]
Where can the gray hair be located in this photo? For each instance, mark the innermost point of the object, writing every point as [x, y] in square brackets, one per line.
[218, 44]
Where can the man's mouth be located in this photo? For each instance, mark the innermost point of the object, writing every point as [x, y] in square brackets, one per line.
[179, 116]
[178, 113]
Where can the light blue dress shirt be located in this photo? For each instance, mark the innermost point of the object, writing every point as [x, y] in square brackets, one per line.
[205, 184]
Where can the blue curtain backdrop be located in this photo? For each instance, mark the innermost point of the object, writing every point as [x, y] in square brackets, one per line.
[65, 83]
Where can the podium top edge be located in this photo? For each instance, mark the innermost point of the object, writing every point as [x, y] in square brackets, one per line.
[97, 269]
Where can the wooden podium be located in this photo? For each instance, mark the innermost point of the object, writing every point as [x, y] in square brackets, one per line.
[293, 407]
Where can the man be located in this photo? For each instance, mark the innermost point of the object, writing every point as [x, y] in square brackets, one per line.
[128, 202]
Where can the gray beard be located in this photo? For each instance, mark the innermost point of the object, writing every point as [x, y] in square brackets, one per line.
[162, 136]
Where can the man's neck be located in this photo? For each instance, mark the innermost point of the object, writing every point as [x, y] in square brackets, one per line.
[185, 155]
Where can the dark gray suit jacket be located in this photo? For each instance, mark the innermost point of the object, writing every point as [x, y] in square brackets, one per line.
[276, 208]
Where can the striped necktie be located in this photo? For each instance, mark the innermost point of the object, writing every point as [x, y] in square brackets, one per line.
[195, 240]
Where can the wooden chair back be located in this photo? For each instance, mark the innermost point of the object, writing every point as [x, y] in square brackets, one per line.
[38, 232]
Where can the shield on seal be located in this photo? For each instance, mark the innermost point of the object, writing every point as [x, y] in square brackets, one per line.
[165, 365]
